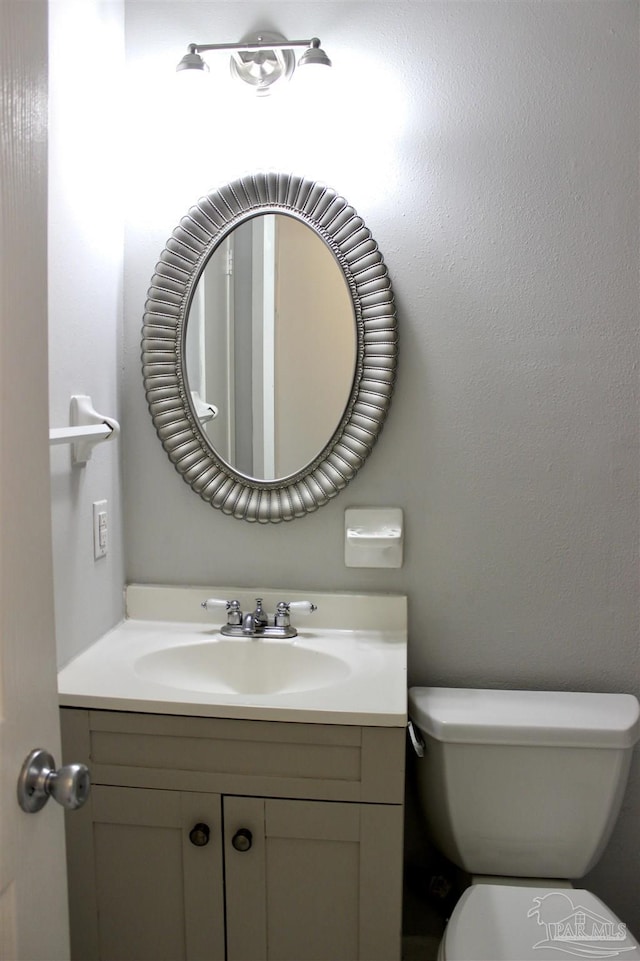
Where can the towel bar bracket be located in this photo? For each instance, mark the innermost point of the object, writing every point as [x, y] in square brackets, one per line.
[87, 428]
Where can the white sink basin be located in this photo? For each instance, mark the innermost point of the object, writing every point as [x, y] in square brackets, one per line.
[348, 664]
[242, 666]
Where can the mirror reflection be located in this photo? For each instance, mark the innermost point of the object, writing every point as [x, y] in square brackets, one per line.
[271, 347]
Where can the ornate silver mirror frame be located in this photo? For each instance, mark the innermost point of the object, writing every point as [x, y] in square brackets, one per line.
[163, 338]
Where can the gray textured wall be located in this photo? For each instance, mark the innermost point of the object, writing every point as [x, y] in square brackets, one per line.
[86, 230]
[492, 149]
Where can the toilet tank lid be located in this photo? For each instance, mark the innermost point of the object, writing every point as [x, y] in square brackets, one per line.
[560, 718]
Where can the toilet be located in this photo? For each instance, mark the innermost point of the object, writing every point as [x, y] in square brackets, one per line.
[521, 789]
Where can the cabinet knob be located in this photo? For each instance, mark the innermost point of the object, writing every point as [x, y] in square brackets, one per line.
[242, 839]
[199, 834]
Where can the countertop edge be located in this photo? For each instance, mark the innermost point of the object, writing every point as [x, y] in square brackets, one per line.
[239, 712]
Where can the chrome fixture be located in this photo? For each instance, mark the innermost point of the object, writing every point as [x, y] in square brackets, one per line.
[256, 623]
[260, 60]
[39, 780]
[253, 624]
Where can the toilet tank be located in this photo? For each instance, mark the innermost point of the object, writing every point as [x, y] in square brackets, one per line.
[523, 783]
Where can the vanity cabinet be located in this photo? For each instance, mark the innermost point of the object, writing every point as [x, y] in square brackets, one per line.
[139, 889]
[231, 840]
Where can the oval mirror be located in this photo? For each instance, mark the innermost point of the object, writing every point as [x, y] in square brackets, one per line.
[269, 346]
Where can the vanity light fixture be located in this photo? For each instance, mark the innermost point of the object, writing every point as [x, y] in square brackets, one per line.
[260, 60]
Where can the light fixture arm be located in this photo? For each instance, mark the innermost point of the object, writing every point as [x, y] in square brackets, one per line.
[255, 46]
[259, 61]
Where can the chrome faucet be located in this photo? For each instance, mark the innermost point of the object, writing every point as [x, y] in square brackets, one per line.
[256, 623]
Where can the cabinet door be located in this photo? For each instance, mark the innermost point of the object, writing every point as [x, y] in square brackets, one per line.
[140, 889]
[321, 881]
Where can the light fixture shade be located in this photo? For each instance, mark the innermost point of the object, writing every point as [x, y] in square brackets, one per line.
[262, 69]
[192, 61]
[314, 54]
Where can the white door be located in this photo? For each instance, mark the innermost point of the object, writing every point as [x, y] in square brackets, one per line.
[33, 898]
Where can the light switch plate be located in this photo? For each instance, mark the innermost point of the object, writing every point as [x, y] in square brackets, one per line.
[100, 529]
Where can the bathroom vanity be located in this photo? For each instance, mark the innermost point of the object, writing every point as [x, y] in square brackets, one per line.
[241, 825]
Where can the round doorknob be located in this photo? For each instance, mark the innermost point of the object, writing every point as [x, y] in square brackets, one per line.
[199, 834]
[242, 839]
[69, 785]
[39, 780]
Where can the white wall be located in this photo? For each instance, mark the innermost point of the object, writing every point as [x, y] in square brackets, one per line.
[492, 149]
[86, 39]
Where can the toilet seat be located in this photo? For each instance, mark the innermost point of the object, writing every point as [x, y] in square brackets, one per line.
[501, 922]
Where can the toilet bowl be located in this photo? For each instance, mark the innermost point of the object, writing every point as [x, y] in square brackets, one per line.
[521, 789]
[515, 923]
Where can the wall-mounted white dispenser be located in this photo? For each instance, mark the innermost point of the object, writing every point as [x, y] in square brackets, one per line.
[373, 537]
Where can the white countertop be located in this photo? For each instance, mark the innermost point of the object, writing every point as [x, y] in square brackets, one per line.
[372, 690]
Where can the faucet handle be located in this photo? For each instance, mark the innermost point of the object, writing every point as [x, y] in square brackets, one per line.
[284, 608]
[212, 602]
[304, 607]
[234, 614]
